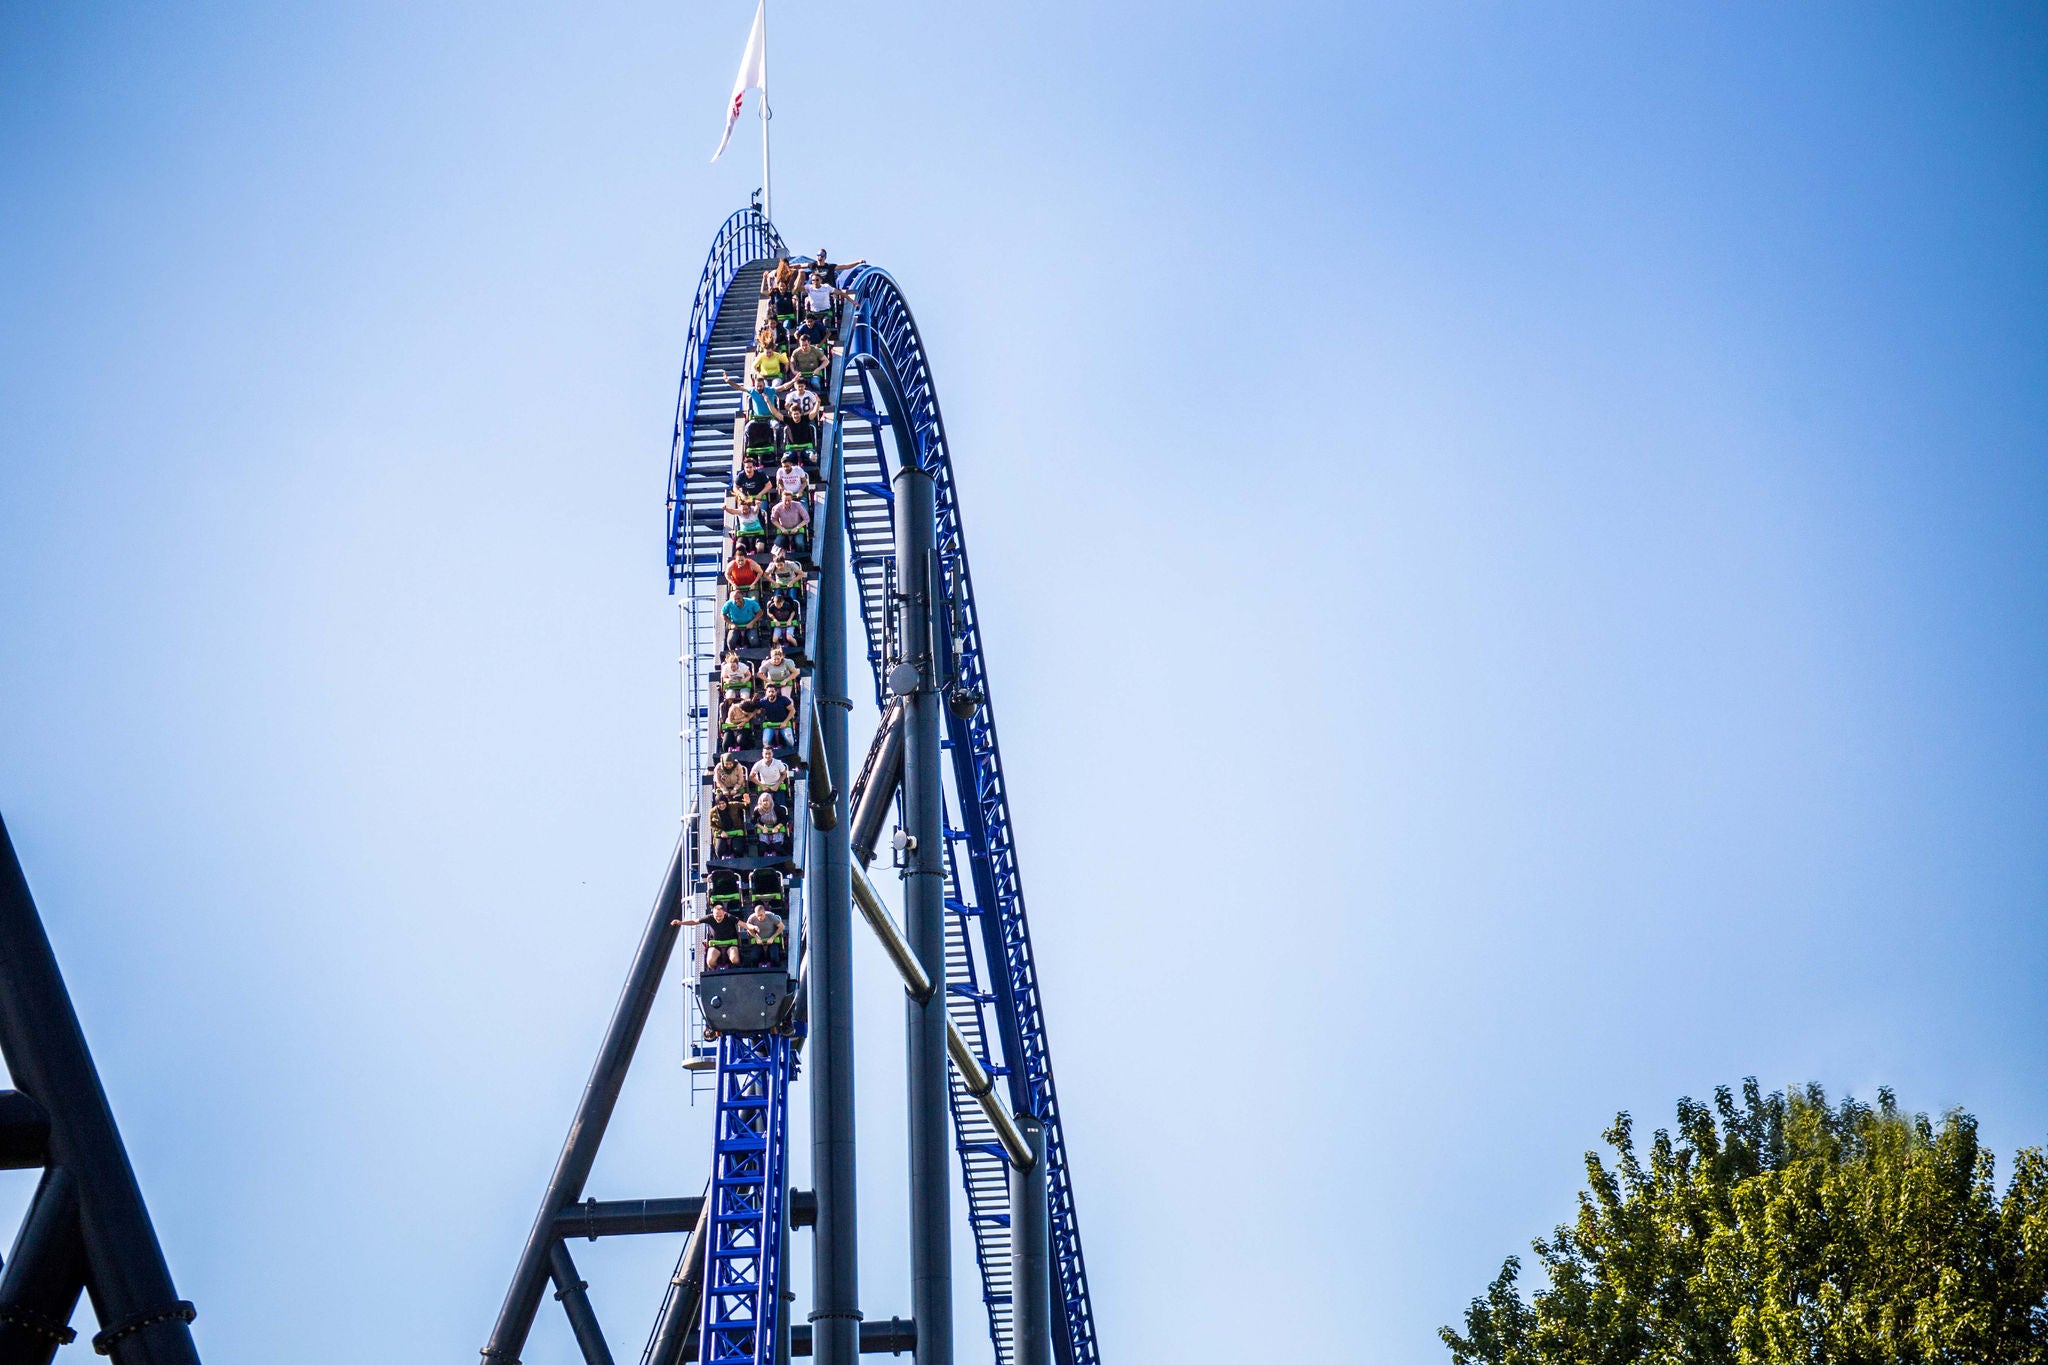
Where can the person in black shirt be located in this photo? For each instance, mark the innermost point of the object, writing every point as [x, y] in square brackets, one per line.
[752, 479]
[800, 435]
[783, 619]
[777, 717]
[728, 829]
[824, 269]
[722, 936]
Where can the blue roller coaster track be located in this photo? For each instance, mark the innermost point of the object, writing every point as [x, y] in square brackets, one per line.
[888, 414]
[975, 1022]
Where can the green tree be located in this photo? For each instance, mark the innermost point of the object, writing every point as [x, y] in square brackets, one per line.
[1784, 1231]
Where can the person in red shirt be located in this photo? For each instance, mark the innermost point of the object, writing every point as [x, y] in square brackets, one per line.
[743, 573]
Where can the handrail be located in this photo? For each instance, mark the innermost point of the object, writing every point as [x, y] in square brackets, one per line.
[744, 237]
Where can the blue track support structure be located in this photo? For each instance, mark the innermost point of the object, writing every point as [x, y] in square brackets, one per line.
[882, 413]
[744, 1261]
[696, 477]
[895, 396]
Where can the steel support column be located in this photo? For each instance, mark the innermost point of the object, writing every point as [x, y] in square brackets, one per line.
[143, 1320]
[835, 1267]
[45, 1274]
[569, 1288]
[1030, 1268]
[924, 908]
[586, 1131]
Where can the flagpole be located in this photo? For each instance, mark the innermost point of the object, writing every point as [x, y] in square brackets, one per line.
[767, 182]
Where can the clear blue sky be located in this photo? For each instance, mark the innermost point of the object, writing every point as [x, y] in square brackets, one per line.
[1511, 541]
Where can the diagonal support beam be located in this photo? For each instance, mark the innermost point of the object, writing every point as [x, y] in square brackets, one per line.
[45, 1274]
[570, 1289]
[146, 1321]
[593, 1115]
[973, 1074]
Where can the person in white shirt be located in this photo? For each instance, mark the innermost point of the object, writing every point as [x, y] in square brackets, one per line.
[784, 575]
[820, 298]
[771, 774]
[791, 479]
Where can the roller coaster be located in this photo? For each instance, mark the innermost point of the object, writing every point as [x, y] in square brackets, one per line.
[822, 480]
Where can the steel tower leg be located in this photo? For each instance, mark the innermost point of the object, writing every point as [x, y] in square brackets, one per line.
[924, 905]
[45, 1274]
[143, 1320]
[586, 1131]
[1030, 1269]
[835, 1268]
[569, 1288]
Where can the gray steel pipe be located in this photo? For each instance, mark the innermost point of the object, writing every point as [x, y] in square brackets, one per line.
[877, 787]
[973, 1074]
[982, 1086]
[893, 943]
[924, 911]
[828, 979]
[1030, 1255]
[824, 793]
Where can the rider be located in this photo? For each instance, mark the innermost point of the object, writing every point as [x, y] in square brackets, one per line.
[770, 774]
[728, 829]
[823, 267]
[782, 285]
[721, 936]
[754, 477]
[808, 361]
[784, 575]
[736, 728]
[776, 715]
[729, 777]
[742, 621]
[736, 678]
[800, 440]
[791, 522]
[769, 364]
[777, 671]
[750, 527]
[790, 479]
[743, 573]
[785, 621]
[770, 937]
[771, 826]
[758, 406]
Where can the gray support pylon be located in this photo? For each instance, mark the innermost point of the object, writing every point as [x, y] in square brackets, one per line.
[142, 1319]
[570, 1289]
[835, 1266]
[1030, 1255]
[593, 1113]
[924, 908]
[45, 1274]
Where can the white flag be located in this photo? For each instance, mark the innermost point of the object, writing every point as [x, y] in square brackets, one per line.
[753, 74]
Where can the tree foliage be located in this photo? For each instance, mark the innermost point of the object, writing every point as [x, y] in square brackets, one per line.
[1784, 1231]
